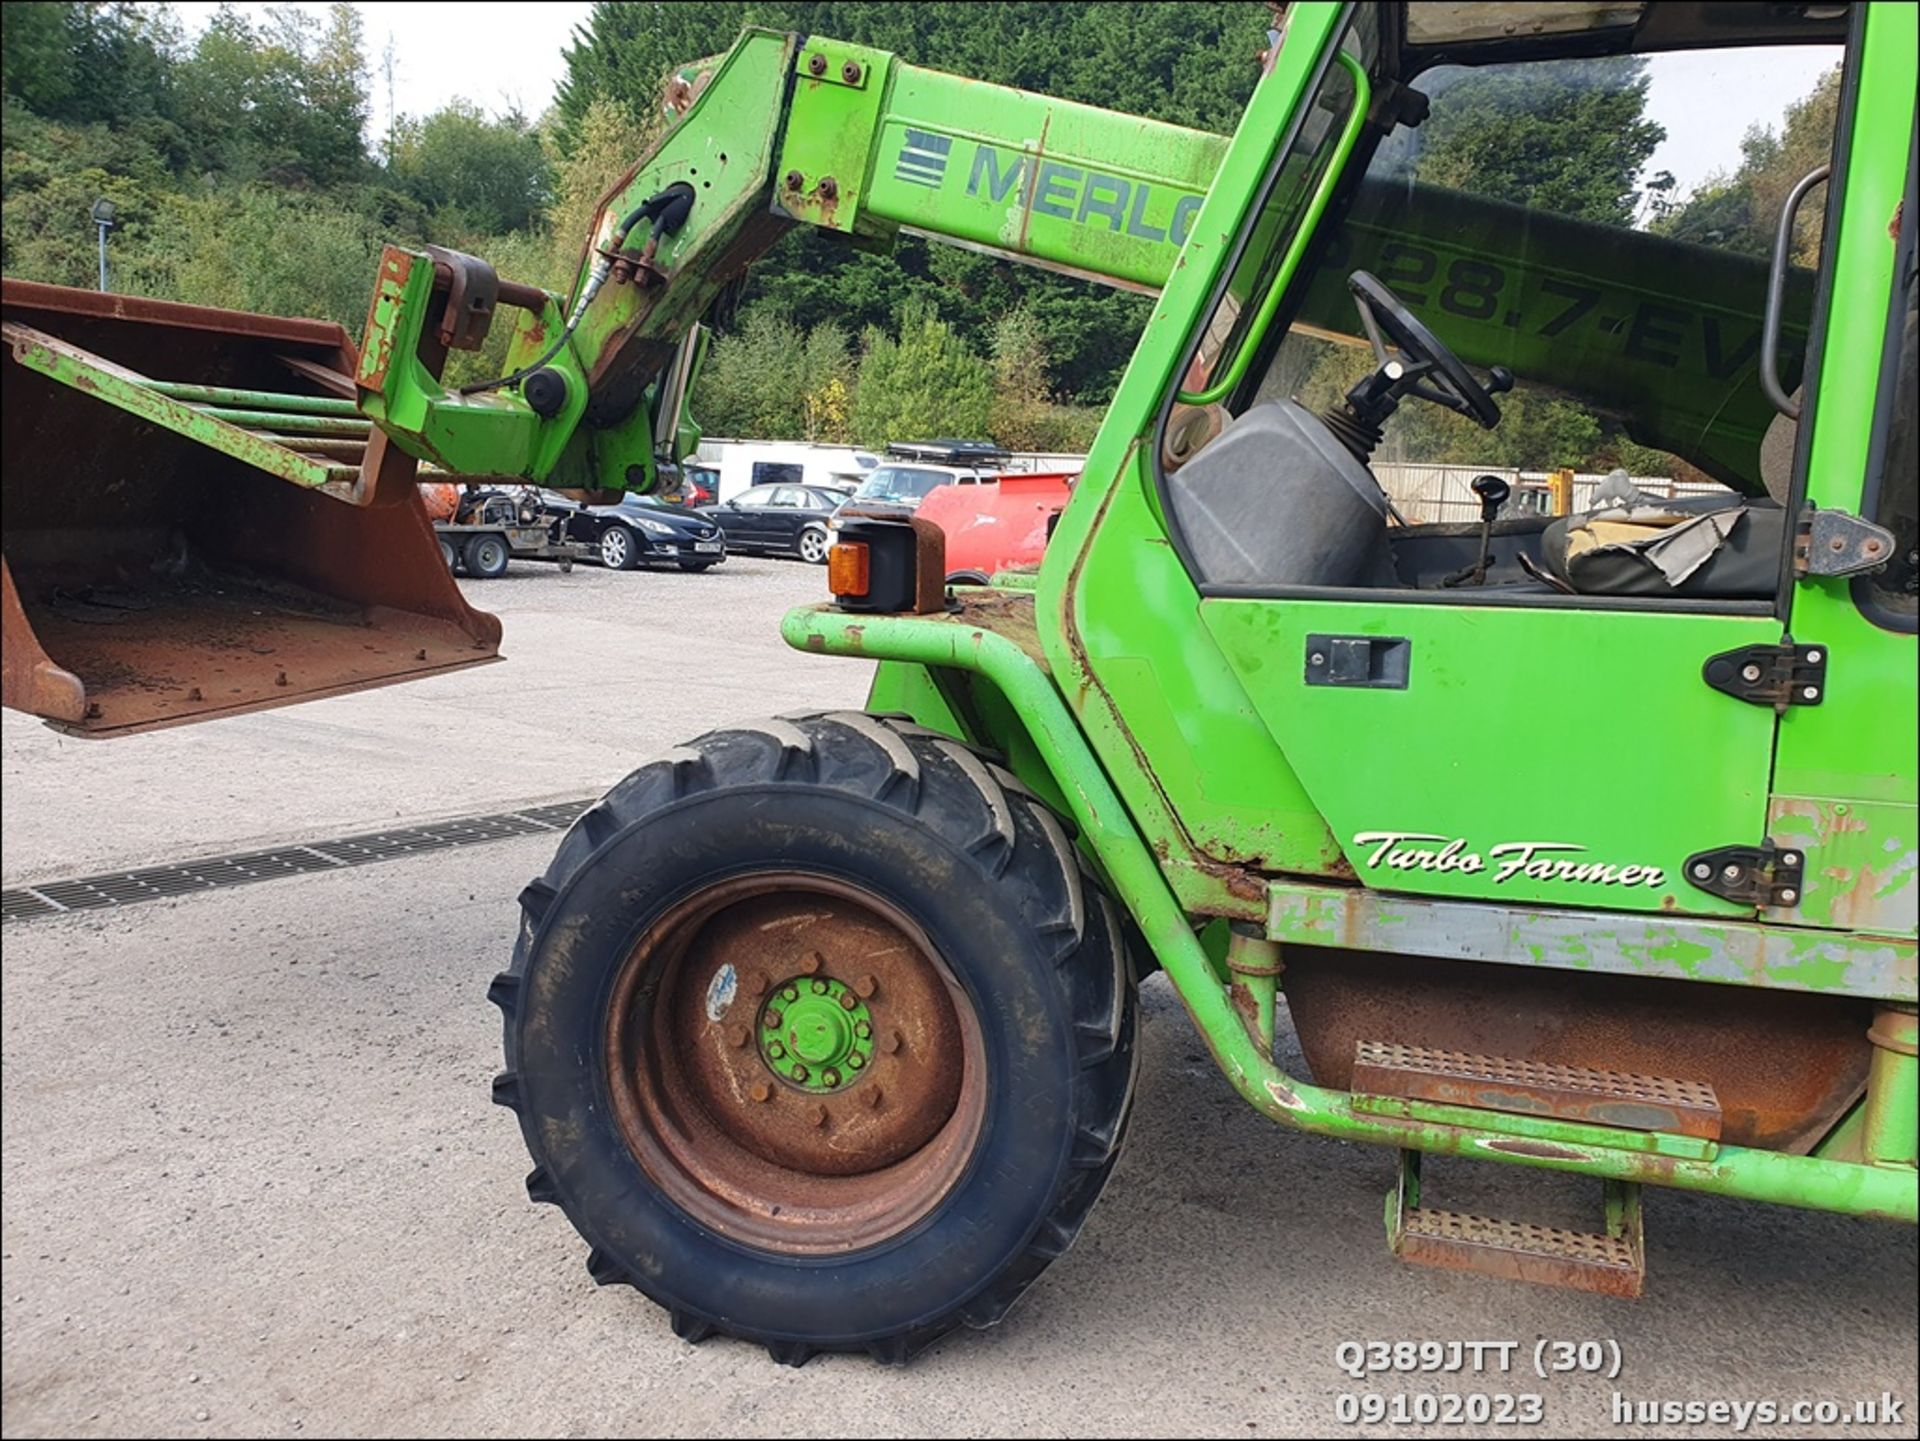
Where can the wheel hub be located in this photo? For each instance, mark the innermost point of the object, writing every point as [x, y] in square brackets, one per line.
[792, 1058]
[816, 1033]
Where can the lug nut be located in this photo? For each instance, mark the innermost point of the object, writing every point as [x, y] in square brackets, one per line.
[799, 1072]
[792, 993]
[760, 1091]
[831, 1078]
[848, 1000]
[856, 1061]
[756, 984]
[776, 1050]
[738, 1036]
[773, 1020]
[811, 964]
[866, 986]
[819, 1115]
[819, 988]
[863, 1030]
[892, 1043]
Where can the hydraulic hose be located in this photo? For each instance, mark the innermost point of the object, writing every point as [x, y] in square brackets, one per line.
[667, 209]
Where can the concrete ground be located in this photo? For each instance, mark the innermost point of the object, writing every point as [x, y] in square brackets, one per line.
[254, 1185]
[603, 670]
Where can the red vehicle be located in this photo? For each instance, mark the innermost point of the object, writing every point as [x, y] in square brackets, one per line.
[997, 524]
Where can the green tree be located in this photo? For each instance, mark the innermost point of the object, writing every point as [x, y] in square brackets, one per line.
[927, 383]
[602, 148]
[1739, 211]
[1569, 137]
[263, 248]
[770, 380]
[285, 102]
[38, 48]
[488, 175]
[1025, 415]
[1188, 63]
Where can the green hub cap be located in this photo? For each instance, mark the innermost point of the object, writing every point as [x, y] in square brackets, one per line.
[816, 1034]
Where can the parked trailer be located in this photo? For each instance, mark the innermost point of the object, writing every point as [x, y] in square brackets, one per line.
[482, 533]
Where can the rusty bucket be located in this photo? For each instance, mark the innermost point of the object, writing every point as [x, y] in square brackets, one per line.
[153, 578]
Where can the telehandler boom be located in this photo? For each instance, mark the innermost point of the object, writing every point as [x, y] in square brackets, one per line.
[1584, 843]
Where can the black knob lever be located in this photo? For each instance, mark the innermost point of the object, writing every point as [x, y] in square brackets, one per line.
[1493, 493]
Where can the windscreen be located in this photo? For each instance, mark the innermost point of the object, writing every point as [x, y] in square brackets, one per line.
[898, 483]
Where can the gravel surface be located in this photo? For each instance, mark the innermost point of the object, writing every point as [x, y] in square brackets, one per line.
[253, 1183]
[604, 669]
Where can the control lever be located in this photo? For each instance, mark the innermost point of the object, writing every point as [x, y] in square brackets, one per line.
[1493, 493]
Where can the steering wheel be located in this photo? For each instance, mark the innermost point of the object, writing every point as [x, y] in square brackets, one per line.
[1426, 368]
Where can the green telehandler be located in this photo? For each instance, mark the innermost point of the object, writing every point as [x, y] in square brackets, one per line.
[1580, 842]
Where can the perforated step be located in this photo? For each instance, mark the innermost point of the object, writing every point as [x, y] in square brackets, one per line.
[1531, 1088]
[1522, 1251]
[1612, 1262]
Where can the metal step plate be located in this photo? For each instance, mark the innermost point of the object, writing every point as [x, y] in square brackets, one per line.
[1533, 1088]
[1521, 1251]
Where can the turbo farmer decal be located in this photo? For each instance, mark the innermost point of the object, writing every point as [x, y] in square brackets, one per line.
[1535, 860]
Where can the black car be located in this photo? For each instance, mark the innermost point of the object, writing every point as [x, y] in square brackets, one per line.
[779, 520]
[639, 531]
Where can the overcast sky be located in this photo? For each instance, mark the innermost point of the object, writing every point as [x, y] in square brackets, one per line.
[498, 55]
[507, 55]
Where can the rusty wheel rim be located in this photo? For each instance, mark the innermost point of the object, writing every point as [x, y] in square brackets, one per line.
[794, 1065]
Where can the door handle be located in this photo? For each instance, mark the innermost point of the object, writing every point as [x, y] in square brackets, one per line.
[1372, 662]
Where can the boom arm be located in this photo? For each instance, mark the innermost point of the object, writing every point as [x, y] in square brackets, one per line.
[781, 131]
[784, 131]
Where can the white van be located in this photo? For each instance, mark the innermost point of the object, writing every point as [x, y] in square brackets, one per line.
[743, 464]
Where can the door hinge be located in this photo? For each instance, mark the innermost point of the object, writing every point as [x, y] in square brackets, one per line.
[1763, 875]
[1772, 675]
[1832, 543]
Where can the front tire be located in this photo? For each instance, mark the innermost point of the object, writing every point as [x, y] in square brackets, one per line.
[692, 925]
[812, 546]
[618, 548]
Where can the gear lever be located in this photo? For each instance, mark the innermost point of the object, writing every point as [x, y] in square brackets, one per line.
[1493, 493]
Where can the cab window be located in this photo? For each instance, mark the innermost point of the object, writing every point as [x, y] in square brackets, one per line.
[1540, 304]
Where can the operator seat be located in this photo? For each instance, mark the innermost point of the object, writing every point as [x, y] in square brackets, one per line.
[1724, 547]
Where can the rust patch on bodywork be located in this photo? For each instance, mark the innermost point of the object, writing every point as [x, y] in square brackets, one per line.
[1784, 1066]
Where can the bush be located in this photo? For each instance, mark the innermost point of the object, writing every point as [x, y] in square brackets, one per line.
[927, 383]
[771, 381]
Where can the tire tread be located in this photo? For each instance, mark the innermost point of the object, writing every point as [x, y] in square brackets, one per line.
[883, 760]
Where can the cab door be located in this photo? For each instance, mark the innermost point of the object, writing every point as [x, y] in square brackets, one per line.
[1844, 773]
[1512, 742]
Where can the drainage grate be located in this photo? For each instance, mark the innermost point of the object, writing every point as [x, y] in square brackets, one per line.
[152, 883]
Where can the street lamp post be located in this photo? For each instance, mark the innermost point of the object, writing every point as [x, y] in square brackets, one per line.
[103, 210]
